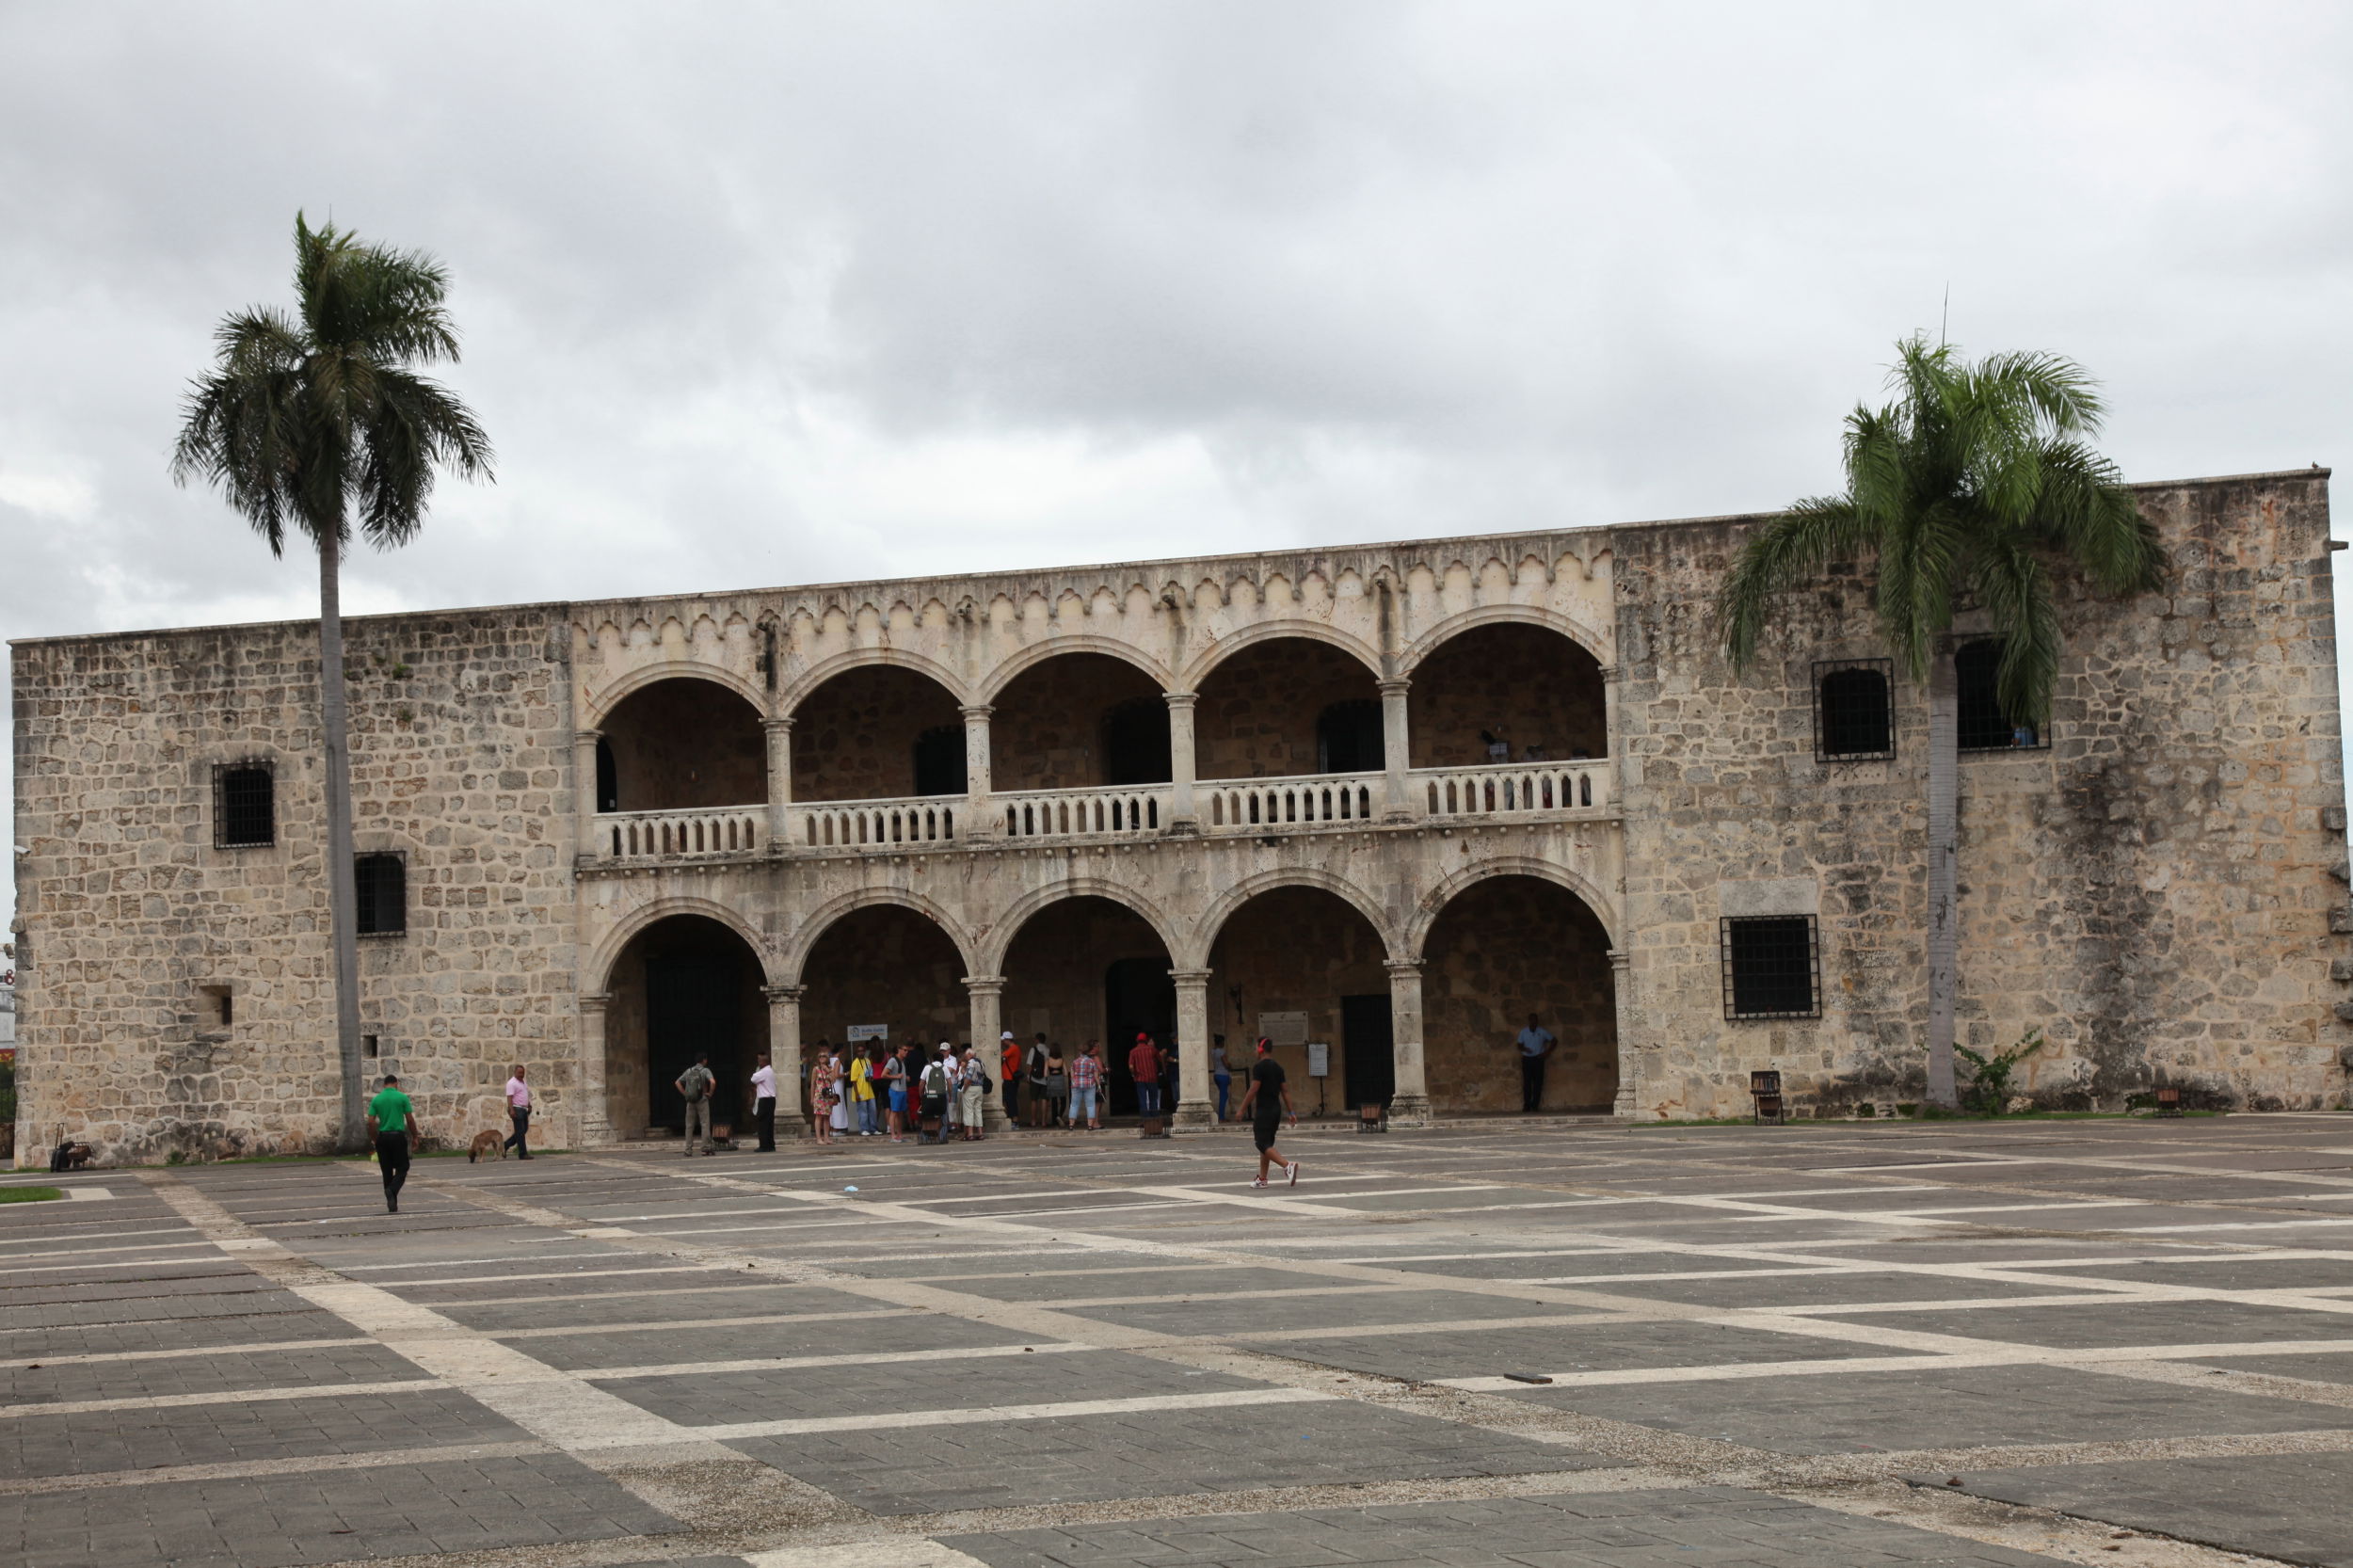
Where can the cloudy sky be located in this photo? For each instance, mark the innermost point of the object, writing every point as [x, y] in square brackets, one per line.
[765, 294]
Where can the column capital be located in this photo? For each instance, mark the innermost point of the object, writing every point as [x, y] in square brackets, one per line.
[1613, 672]
[1191, 976]
[976, 711]
[783, 993]
[1180, 699]
[984, 984]
[1403, 968]
[595, 1001]
[1393, 685]
[1620, 959]
[586, 737]
[782, 721]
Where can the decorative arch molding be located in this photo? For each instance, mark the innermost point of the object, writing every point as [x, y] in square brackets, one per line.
[1207, 662]
[1013, 668]
[638, 921]
[1586, 637]
[804, 686]
[602, 704]
[1212, 921]
[997, 939]
[812, 928]
[1434, 903]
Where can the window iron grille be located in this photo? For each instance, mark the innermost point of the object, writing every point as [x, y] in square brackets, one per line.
[1772, 967]
[1984, 727]
[244, 806]
[1854, 710]
[382, 884]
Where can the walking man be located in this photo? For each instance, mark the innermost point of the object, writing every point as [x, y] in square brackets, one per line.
[1143, 1065]
[1535, 1043]
[1266, 1105]
[764, 1104]
[695, 1086]
[519, 1111]
[392, 1128]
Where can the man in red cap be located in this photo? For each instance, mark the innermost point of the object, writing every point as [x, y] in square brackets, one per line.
[1143, 1065]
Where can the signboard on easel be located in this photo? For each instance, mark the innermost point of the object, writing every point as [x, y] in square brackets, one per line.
[1319, 1059]
[868, 1032]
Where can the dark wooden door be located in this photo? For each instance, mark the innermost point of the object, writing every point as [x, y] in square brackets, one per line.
[692, 1004]
[1368, 1049]
[1138, 996]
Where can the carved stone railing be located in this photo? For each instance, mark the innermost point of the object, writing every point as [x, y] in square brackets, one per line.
[1126, 811]
[1245, 805]
[927, 821]
[1511, 787]
[650, 834]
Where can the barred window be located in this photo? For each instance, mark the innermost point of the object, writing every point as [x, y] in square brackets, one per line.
[1772, 967]
[1853, 716]
[245, 806]
[1984, 727]
[382, 881]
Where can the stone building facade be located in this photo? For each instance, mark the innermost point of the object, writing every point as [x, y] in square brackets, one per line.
[1386, 801]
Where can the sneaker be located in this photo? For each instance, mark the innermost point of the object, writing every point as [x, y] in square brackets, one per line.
[1258, 1181]
[1294, 1170]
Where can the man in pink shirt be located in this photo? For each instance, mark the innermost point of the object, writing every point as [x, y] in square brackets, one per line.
[519, 1111]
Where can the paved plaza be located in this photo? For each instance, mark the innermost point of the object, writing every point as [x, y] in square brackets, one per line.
[1818, 1345]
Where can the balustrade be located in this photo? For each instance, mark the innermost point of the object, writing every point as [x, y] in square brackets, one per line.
[1240, 804]
[927, 820]
[1127, 812]
[1514, 787]
[720, 830]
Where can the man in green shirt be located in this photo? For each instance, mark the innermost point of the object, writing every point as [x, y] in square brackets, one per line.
[393, 1125]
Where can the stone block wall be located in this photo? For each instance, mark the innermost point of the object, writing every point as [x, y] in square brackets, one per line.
[2154, 891]
[128, 912]
[683, 744]
[854, 738]
[1048, 730]
[1527, 684]
[1257, 712]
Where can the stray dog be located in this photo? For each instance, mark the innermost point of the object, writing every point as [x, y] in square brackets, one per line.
[486, 1144]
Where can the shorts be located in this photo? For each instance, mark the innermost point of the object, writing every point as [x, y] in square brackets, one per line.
[1263, 1129]
[898, 1100]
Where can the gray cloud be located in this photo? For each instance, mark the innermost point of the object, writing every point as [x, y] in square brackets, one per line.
[758, 294]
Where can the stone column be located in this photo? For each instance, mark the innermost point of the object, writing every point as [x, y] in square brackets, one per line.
[980, 820]
[1633, 1060]
[1410, 1105]
[584, 791]
[592, 1127]
[779, 779]
[1396, 804]
[1183, 816]
[1195, 1096]
[784, 1055]
[988, 993]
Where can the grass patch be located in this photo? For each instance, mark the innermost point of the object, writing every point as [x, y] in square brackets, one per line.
[28, 1194]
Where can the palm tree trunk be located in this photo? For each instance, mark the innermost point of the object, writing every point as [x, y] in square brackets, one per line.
[342, 895]
[1943, 855]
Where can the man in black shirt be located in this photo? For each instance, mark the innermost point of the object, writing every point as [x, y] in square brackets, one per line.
[1267, 1104]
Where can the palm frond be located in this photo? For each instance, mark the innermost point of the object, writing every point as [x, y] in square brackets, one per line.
[2015, 591]
[1783, 552]
[2083, 510]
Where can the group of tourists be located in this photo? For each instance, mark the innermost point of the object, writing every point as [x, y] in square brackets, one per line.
[895, 1093]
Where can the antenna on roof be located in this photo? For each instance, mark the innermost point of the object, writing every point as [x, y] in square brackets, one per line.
[1946, 316]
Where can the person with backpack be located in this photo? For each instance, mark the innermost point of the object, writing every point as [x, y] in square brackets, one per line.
[895, 1086]
[694, 1086]
[972, 1093]
[1034, 1090]
[938, 1086]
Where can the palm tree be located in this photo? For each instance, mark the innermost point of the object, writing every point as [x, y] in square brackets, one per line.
[1977, 483]
[308, 420]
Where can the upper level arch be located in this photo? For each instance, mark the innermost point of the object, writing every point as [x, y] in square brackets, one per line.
[798, 690]
[605, 699]
[1591, 640]
[1198, 670]
[1507, 688]
[680, 744]
[1011, 668]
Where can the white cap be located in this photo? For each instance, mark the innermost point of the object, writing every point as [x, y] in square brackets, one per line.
[1007, 1035]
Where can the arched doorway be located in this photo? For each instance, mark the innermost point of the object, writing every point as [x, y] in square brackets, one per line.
[1078, 721]
[684, 987]
[681, 745]
[1091, 968]
[1300, 965]
[1503, 948]
[1286, 708]
[878, 732]
[884, 975]
[1507, 682]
